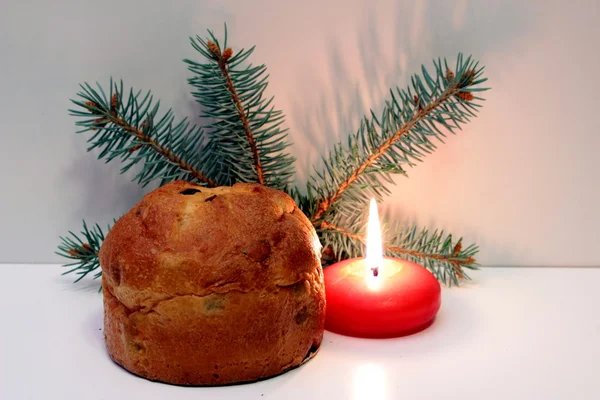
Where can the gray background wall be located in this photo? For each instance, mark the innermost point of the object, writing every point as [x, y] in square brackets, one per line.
[521, 180]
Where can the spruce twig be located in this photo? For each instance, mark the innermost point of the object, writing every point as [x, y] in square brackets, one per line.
[403, 132]
[247, 141]
[83, 251]
[235, 98]
[127, 130]
[145, 139]
[325, 203]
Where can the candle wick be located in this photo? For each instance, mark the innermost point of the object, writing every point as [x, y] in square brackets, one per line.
[375, 271]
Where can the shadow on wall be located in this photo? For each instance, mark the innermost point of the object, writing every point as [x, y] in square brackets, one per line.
[98, 192]
[102, 189]
[421, 31]
[388, 55]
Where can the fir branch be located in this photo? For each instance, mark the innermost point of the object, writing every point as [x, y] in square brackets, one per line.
[446, 259]
[83, 251]
[402, 135]
[130, 130]
[222, 62]
[247, 143]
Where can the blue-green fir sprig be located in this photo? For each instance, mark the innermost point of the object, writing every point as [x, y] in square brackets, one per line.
[247, 140]
[83, 251]
[244, 140]
[408, 128]
[130, 128]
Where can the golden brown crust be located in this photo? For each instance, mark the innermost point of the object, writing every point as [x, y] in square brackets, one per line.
[212, 285]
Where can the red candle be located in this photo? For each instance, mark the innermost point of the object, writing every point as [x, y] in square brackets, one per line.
[376, 297]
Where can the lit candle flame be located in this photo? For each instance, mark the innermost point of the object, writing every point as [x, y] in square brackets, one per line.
[374, 253]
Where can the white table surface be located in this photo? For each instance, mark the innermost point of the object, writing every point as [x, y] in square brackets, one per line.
[514, 333]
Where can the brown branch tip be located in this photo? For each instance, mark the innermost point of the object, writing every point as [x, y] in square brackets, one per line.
[457, 248]
[227, 54]
[466, 96]
[75, 252]
[114, 103]
[224, 57]
[213, 48]
[134, 148]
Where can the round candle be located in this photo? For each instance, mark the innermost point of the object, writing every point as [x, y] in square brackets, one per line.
[379, 297]
[402, 299]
